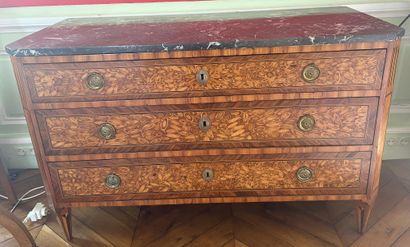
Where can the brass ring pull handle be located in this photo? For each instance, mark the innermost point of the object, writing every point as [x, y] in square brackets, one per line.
[107, 131]
[202, 77]
[204, 123]
[112, 181]
[310, 73]
[207, 174]
[95, 81]
[306, 122]
[304, 174]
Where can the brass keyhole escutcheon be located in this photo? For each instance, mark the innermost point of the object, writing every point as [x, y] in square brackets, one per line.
[304, 174]
[204, 123]
[310, 73]
[306, 122]
[106, 131]
[202, 77]
[112, 181]
[207, 174]
[95, 81]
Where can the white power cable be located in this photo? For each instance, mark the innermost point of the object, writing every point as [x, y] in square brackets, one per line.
[34, 196]
[22, 198]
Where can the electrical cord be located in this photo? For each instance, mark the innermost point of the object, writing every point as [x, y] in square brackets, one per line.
[34, 196]
[23, 198]
[404, 20]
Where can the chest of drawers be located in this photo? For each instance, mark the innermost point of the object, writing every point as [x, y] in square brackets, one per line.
[261, 107]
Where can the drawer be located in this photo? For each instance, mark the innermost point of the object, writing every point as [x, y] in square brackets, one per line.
[179, 127]
[313, 174]
[347, 70]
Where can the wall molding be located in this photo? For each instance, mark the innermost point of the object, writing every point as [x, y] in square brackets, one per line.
[404, 130]
[8, 120]
[381, 10]
[400, 109]
[27, 25]
[16, 140]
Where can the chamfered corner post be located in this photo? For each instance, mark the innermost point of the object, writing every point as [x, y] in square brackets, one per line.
[363, 210]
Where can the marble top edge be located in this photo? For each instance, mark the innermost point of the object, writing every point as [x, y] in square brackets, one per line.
[207, 46]
[64, 38]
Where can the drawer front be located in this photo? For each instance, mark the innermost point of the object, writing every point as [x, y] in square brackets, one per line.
[351, 70]
[348, 172]
[272, 123]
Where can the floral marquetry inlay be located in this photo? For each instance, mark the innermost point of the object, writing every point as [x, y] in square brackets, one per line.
[230, 125]
[264, 107]
[135, 79]
[256, 175]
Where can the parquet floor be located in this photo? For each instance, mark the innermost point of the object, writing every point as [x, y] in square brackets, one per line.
[269, 224]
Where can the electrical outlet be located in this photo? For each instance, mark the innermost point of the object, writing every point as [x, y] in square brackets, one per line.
[20, 151]
[18, 156]
[405, 141]
[391, 141]
[23, 151]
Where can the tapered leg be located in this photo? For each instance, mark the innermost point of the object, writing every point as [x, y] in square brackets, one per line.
[64, 216]
[363, 211]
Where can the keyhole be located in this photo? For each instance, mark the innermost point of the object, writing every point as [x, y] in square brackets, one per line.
[208, 174]
[202, 77]
[204, 123]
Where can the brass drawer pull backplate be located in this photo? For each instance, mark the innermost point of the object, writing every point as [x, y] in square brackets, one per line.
[304, 174]
[95, 81]
[306, 122]
[106, 131]
[112, 181]
[310, 73]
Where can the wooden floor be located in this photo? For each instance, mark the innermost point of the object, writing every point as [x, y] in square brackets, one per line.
[270, 224]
